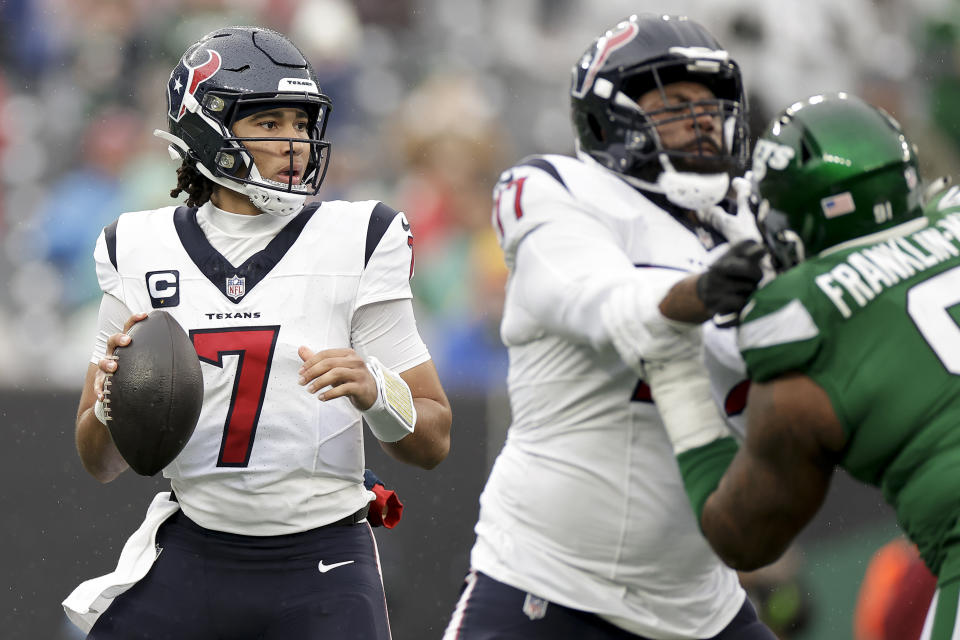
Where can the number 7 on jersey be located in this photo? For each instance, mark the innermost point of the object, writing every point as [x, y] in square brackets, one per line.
[254, 348]
[505, 185]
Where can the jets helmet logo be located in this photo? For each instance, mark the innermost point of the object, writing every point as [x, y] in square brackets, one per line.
[185, 80]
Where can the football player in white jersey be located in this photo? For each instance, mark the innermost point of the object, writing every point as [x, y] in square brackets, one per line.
[584, 530]
[301, 315]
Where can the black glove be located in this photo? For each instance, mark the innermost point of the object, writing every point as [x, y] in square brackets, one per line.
[726, 286]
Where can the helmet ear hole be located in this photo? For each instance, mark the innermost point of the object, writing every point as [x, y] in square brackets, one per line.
[595, 127]
[805, 153]
[230, 162]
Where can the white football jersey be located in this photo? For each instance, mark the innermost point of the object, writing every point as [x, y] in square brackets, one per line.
[729, 383]
[585, 506]
[267, 457]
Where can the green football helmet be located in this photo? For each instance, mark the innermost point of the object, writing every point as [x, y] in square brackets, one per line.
[828, 170]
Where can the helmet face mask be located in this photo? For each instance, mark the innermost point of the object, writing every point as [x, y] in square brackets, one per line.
[228, 75]
[646, 54]
[235, 160]
[829, 172]
[703, 153]
[786, 246]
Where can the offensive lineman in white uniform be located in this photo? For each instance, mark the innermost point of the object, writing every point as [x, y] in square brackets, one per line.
[584, 530]
[302, 320]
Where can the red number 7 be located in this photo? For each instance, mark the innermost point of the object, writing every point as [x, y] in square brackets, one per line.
[254, 347]
[517, 209]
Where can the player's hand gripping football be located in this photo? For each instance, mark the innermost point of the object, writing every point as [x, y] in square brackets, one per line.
[108, 363]
[343, 371]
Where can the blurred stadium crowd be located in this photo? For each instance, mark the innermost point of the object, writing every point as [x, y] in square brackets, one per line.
[432, 99]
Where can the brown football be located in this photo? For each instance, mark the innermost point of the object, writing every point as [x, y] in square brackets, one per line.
[155, 395]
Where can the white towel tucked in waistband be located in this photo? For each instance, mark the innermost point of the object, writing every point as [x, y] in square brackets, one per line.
[92, 597]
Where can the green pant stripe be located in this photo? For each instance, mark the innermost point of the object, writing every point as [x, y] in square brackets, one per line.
[945, 615]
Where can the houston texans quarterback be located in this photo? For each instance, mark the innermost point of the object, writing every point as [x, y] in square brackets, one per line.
[584, 527]
[301, 315]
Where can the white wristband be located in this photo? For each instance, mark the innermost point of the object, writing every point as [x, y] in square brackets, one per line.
[392, 416]
[681, 391]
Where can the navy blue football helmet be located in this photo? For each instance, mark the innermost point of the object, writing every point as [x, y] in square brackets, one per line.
[645, 53]
[227, 75]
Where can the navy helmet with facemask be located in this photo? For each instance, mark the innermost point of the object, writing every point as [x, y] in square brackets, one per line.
[646, 53]
[232, 73]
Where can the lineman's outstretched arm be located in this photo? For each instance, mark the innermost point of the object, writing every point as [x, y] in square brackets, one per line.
[723, 288]
[573, 281]
[777, 480]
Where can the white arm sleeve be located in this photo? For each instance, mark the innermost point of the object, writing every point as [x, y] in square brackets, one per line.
[563, 272]
[388, 331]
[113, 315]
[574, 280]
[681, 390]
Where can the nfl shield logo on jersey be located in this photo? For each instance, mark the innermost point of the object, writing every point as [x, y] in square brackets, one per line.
[534, 607]
[236, 287]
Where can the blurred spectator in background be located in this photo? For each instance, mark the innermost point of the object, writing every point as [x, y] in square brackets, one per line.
[939, 41]
[87, 198]
[464, 78]
[895, 594]
[26, 46]
[3, 144]
[490, 71]
[781, 596]
[451, 147]
[788, 49]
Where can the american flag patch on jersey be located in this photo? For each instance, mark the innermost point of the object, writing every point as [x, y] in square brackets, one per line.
[837, 205]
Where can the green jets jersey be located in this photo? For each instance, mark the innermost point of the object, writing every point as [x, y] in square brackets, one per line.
[877, 326]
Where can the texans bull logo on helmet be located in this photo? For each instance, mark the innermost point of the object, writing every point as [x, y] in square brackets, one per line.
[185, 79]
[624, 33]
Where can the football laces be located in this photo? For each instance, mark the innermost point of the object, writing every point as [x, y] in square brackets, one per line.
[107, 383]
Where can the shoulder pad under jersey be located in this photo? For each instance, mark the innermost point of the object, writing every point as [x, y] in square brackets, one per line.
[388, 257]
[946, 201]
[777, 331]
[541, 189]
[130, 228]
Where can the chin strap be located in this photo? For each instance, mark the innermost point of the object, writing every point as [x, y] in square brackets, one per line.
[276, 203]
[690, 190]
[686, 189]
